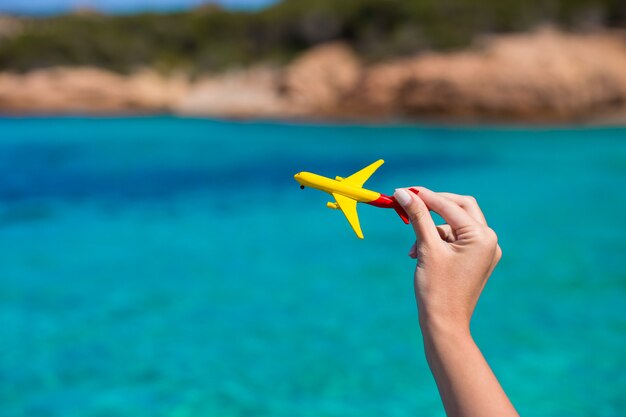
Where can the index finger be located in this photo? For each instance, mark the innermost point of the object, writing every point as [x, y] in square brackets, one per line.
[451, 212]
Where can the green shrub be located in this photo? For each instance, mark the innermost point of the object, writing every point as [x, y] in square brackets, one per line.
[212, 39]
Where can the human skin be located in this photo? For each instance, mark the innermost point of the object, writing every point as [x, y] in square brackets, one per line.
[455, 262]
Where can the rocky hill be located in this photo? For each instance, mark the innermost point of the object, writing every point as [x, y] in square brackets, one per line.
[543, 76]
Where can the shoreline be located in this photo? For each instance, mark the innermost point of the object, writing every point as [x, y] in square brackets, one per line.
[453, 124]
[540, 78]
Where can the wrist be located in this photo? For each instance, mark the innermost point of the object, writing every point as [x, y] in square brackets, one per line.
[441, 327]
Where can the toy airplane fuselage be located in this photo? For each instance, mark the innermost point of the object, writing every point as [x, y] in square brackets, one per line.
[349, 191]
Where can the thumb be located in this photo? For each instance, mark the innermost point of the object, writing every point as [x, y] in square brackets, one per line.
[415, 208]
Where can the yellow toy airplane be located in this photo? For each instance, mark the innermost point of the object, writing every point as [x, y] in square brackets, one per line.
[349, 191]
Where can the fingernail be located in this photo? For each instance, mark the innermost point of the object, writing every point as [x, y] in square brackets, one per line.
[402, 197]
[414, 191]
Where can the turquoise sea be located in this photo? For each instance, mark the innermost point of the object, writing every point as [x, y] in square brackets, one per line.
[172, 267]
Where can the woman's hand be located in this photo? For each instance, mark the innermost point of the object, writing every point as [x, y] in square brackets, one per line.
[455, 259]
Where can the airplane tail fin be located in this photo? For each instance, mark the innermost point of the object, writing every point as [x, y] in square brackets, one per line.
[402, 214]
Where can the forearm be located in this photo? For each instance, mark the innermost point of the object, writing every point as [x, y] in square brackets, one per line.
[466, 383]
[455, 261]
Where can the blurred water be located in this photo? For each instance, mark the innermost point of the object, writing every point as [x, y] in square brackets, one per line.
[171, 267]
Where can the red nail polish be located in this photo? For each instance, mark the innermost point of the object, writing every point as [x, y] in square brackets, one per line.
[414, 191]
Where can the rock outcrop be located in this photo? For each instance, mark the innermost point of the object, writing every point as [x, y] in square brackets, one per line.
[88, 90]
[321, 80]
[545, 75]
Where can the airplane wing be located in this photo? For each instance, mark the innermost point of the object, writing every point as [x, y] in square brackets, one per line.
[359, 178]
[348, 207]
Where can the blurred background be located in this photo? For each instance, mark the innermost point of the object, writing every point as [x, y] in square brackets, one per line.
[158, 259]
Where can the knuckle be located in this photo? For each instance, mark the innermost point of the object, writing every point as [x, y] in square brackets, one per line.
[498, 253]
[469, 200]
[490, 237]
